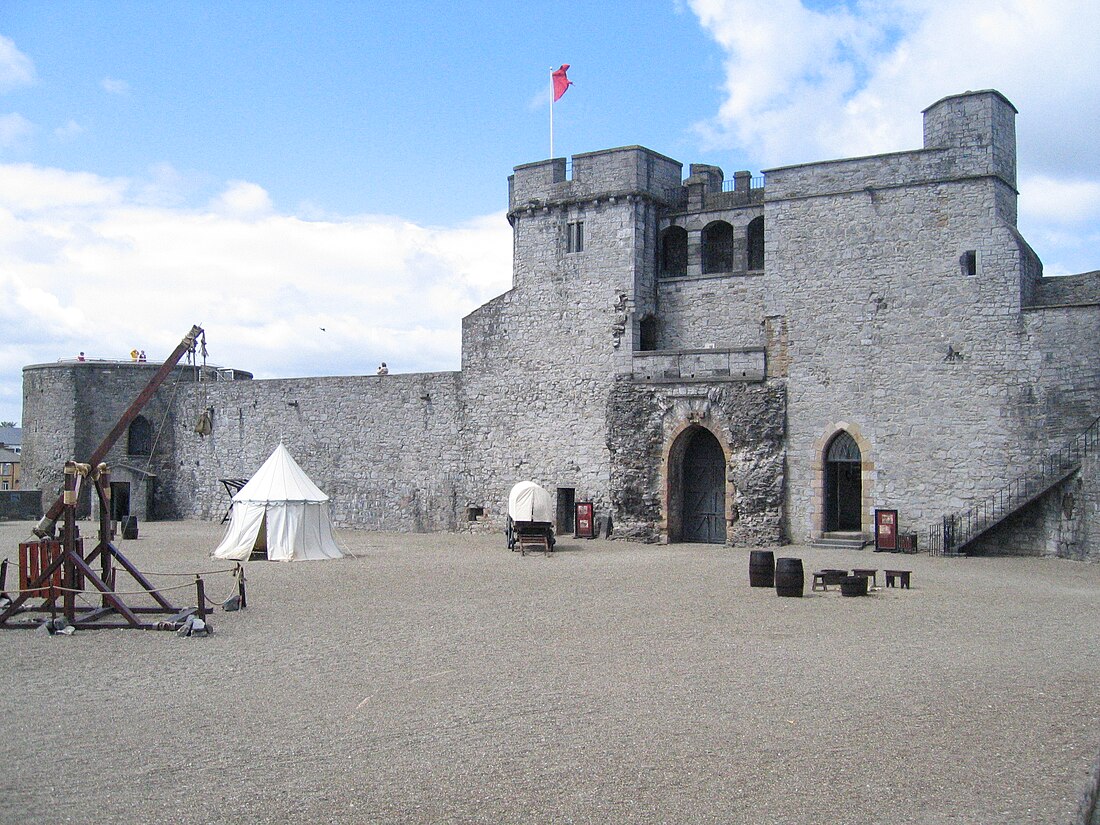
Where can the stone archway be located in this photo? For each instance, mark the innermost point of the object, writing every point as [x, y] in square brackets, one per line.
[843, 493]
[695, 469]
[843, 472]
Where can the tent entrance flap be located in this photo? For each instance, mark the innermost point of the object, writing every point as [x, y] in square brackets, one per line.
[259, 547]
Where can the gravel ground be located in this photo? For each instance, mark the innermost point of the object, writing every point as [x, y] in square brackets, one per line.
[440, 678]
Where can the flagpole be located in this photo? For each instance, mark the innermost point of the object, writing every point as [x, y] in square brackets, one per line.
[551, 111]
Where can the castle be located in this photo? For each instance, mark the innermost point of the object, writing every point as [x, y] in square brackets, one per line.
[750, 364]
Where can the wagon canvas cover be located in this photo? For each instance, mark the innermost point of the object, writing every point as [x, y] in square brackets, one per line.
[529, 502]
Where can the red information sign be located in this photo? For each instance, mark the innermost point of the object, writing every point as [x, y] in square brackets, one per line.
[586, 529]
[886, 530]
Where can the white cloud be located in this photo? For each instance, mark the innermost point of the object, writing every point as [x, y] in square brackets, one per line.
[115, 87]
[76, 249]
[803, 84]
[16, 69]
[243, 198]
[25, 188]
[70, 131]
[1066, 201]
[14, 129]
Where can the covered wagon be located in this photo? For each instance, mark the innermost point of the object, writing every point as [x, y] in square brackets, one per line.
[530, 518]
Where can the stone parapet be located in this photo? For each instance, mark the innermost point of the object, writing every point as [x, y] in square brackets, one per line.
[706, 365]
[629, 170]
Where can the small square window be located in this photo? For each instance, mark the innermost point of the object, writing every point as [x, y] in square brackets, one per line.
[969, 263]
[575, 237]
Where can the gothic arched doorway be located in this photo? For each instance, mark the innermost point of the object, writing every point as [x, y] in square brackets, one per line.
[843, 485]
[703, 486]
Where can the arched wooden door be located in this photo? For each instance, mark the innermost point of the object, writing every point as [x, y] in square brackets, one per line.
[843, 485]
[704, 489]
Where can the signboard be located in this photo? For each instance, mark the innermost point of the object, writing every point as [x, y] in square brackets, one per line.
[586, 528]
[886, 530]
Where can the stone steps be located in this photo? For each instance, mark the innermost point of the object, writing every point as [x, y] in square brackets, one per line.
[840, 541]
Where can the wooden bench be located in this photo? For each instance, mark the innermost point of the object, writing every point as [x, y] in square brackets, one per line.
[826, 577]
[901, 575]
[871, 573]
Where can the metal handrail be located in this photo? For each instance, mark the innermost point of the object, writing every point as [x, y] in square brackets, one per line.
[960, 528]
[755, 182]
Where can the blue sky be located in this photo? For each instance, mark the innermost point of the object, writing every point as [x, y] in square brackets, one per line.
[272, 169]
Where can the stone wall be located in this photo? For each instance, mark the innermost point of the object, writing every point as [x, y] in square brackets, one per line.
[723, 311]
[1067, 290]
[981, 127]
[749, 421]
[539, 360]
[874, 342]
[1088, 500]
[70, 407]
[1061, 396]
[1054, 525]
[49, 424]
[386, 449]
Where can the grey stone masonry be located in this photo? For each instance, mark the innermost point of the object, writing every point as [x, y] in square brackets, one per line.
[886, 306]
[69, 407]
[386, 449]
[1067, 290]
[645, 421]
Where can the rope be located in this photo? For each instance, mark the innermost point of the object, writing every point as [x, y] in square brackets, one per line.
[160, 429]
[61, 589]
[219, 602]
[236, 571]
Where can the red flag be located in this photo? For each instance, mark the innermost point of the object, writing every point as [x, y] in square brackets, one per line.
[561, 82]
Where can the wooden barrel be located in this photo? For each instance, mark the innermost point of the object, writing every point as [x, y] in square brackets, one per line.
[761, 568]
[854, 586]
[789, 577]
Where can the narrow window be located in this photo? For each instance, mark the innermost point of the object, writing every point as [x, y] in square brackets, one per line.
[717, 248]
[969, 263]
[139, 440]
[754, 243]
[647, 331]
[575, 237]
[673, 261]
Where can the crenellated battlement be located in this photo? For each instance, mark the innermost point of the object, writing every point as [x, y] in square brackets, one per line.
[625, 171]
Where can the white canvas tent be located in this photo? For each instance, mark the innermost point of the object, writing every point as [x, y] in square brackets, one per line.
[280, 508]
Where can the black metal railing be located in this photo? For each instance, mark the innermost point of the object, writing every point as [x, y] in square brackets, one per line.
[755, 182]
[959, 529]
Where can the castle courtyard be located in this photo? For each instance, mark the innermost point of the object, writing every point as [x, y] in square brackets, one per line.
[441, 678]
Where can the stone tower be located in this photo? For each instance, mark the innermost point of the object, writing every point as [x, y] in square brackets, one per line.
[583, 272]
